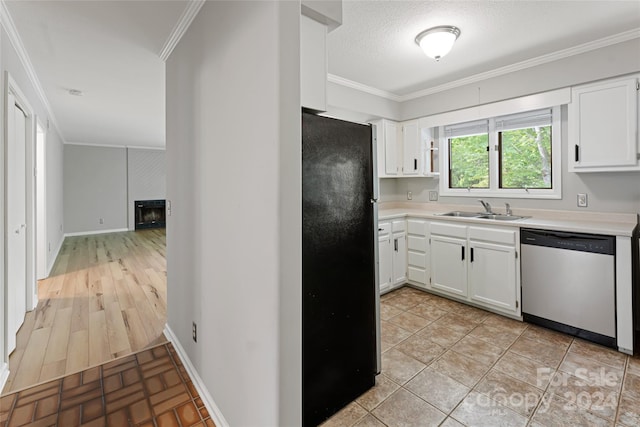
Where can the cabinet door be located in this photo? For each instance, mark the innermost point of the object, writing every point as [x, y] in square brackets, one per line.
[391, 148]
[449, 265]
[385, 262]
[313, 64]
[603, 120]
[492, 276]
[399, 258]
[412, 161]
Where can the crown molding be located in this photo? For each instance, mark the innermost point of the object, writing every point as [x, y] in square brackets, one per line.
[185, 20]
[133, 147]
[540, 60]
[363, 88]
[7, 23]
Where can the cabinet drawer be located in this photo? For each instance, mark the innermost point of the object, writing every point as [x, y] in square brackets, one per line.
[418, 275]
[384, 228]
[447, 229]
[417, 260]
[416, 226]
[399, 225]
[496, 235]
[416, 243]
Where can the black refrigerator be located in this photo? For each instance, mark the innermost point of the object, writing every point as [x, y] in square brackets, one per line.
[340, 319]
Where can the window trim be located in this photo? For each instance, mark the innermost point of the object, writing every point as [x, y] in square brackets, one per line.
[493, 191]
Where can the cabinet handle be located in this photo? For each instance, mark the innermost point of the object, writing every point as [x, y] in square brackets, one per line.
[380, 229]
[471, 254]
[415, 164]
[462, 253]
[395, 245]
[577, 153]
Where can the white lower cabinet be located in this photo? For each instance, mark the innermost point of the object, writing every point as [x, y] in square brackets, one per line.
[418, 272]
[392, 254]
[399, 240]
[385, 260]
[477, 264]
[448, 258]
[471, 263]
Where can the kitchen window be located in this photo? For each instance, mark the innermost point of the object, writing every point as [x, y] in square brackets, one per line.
[515, 155]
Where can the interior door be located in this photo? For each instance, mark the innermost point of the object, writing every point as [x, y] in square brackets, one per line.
[16, 254]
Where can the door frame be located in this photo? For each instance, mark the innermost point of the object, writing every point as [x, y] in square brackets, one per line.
[40, 156]
[12, 88]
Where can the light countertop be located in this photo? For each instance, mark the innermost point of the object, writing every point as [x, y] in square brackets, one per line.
[612, 224]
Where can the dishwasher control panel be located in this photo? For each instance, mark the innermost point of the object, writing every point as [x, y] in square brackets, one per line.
[593, 243]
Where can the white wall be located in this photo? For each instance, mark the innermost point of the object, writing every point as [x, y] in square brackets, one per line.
[353, 105]
[146, 178]
[233, 178]
[95, 186]
[10, 61]
[103, 182]
[55, 197]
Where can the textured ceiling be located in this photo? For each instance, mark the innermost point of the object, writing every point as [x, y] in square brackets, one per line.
[375, 45]
[110, 51]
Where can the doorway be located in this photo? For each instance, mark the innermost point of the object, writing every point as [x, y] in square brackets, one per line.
[41, 204]
[19, 249]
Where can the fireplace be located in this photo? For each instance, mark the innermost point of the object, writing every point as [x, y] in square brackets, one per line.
[150, 214]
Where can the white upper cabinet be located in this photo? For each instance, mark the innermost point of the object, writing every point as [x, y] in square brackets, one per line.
[401, 149]
[313, 64]
[603, 126]
[389, 151]
[411, 152]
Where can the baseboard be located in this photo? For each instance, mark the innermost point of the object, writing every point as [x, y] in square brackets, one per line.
[54, 258]
[211, 406]
[89, 233]
[4, 374]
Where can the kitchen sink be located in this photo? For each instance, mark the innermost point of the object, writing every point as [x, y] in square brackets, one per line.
[499, 217]
[462, 214]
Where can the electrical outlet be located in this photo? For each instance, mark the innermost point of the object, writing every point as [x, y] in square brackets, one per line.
[433, 196]
[101, 220]
[582, 200]
[194, 332]
[409, 195]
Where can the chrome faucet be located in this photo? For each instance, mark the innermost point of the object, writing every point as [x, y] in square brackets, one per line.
[508, 206]
[486, 205]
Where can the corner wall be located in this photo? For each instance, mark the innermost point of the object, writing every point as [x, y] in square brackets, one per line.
[95, 184]
[146, 178]
[233, 260]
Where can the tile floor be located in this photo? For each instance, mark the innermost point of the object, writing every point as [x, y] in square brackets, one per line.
[449, 364]
[149, 388]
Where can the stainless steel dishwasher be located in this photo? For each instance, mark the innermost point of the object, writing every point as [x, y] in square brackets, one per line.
[568, 283]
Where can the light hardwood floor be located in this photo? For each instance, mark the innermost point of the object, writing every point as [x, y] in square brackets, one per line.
[106, 297]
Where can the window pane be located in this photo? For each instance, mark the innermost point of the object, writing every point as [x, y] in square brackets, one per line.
[525, 158]
[469, 162]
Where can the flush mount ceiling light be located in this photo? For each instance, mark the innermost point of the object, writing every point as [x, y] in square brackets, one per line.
[436, 42]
